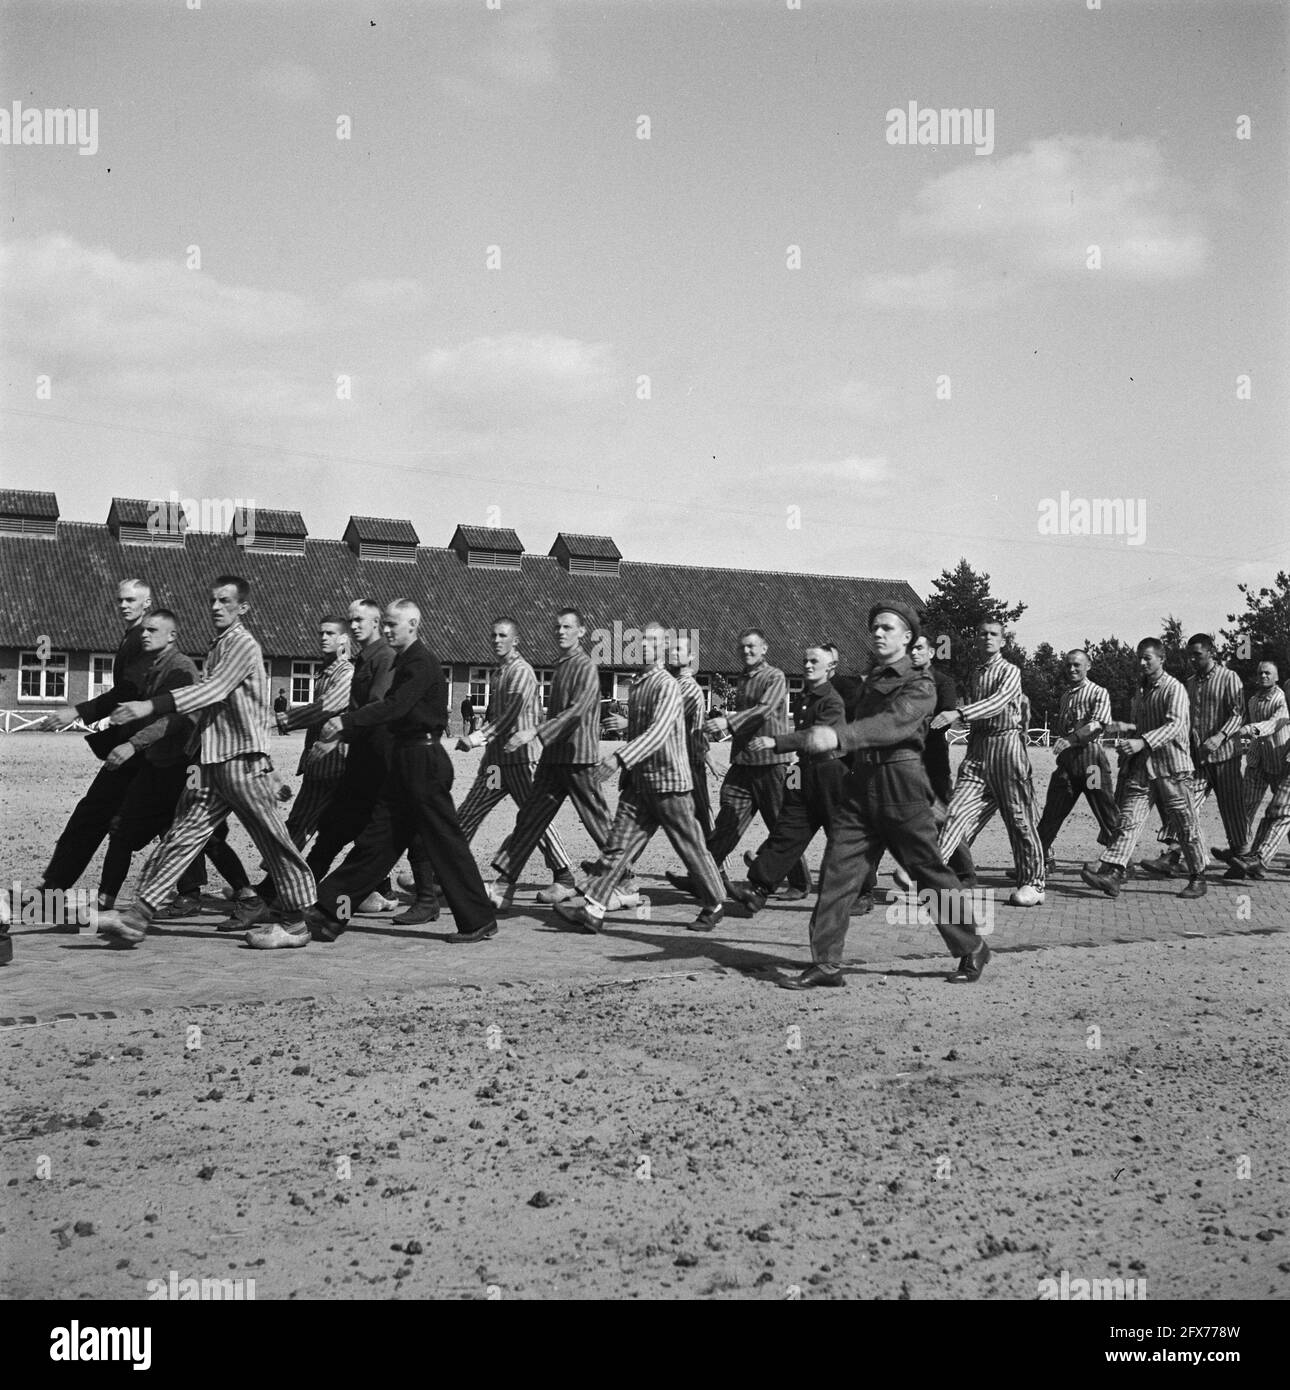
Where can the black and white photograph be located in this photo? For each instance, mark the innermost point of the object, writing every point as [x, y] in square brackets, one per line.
[644, 657]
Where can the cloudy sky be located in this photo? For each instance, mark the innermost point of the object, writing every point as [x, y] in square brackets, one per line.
[771, 334]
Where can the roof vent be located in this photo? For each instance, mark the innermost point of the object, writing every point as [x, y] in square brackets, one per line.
[488, 547]
[25, 513]
[381, 538]
[587, 554]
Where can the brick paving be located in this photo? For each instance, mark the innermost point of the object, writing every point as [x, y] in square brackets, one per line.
[188, 964]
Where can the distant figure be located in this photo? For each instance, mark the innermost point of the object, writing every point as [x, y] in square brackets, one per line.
[467, 715]
[280, 702]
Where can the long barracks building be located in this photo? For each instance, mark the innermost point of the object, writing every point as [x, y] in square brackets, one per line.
[59, 626]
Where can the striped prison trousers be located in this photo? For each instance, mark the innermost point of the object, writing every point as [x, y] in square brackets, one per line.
[306, 810]
[997, 777]
[493, 784]
[640, 813]
[246, 785]
[1276, 819]
[552, 784]
[1225, 781]
[1172, 796]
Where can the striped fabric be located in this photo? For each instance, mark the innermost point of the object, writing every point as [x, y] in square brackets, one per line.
[515, 706]
[656, 754]
[695, 712]
[307, 808]
[998, 778]
[571, 734]
[1161, 714]
[232, 697]
[760, 707]
[994, 702]
[1082, 704]
[641, 812]
[324, 759]
[1217, 707]
[492, 785]
[1269, 715]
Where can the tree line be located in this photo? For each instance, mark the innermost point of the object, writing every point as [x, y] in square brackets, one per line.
[962, 599]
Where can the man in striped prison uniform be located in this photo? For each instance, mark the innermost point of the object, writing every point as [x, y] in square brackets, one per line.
[570, 743]
[516, 704]
[232, 735]
[1155, 742]
[87, 827]
[1217, 701]
[754, 781]
[996, 774]
[655, 790]
[322, 763]
[695, 713]
[1267, 768]
[1083, 768]
[813, 786]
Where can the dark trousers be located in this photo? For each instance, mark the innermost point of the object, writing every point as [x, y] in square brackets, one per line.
[885, 806]
[807, 808]
[749, 791]
[702, 797]
[146, 811]
[1080, 772]
[415, 799]
[348, 814]
[88, 825]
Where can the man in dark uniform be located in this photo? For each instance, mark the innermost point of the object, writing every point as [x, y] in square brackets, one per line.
[350, 809]
[87, 827]
[416, 796]
[812, 788]
[886, 803]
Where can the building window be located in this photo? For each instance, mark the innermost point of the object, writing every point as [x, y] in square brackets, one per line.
[42, 680]
[446, 673]
[796, 687]
[705, 684]
[100, 675]
[303, 676]
[545, 676]
[479, 684]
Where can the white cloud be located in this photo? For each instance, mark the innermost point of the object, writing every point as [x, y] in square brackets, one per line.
[288, 82]
[90, 306]
[1005, 224]
[855, 470]
[515, 57]
[513, 377]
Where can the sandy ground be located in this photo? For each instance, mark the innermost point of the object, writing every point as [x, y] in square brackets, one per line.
[1115, 1112]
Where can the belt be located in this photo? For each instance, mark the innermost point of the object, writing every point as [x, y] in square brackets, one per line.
[425, 736]
[874, 757]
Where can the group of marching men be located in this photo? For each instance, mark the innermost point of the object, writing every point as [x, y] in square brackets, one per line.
[867, 763]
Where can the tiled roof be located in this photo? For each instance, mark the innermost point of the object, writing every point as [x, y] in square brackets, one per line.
[382, 529]
[15, 501]
[587, 547]
[269, 522]
[486, 538]
[67, 588]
